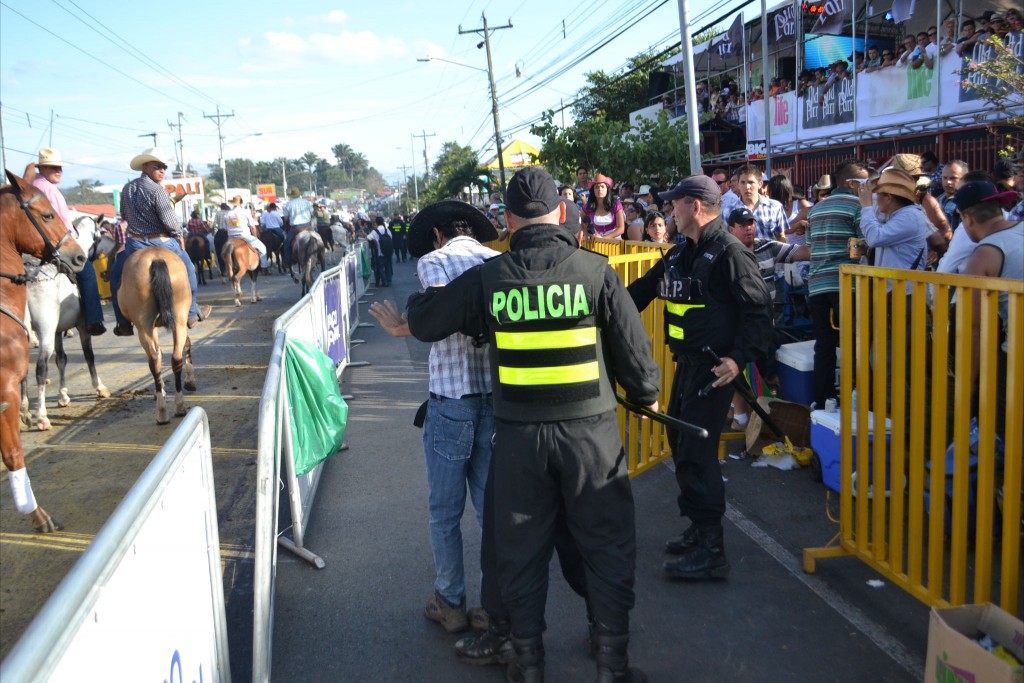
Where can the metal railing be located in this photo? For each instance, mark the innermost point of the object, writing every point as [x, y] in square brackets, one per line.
[930, 380]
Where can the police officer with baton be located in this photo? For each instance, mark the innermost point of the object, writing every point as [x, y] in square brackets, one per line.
[714, 296]
[562, 332]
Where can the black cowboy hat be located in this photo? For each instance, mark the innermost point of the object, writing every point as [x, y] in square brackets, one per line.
[421, 240]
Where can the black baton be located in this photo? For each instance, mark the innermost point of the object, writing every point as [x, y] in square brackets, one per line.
[664, 419]
[740, 385]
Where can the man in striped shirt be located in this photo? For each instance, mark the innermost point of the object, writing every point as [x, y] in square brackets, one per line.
[771, 219]
[831, 224]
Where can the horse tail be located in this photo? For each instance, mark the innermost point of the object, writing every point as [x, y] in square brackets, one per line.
[163, 294]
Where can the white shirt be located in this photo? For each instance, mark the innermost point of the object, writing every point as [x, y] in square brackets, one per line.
[238, 221]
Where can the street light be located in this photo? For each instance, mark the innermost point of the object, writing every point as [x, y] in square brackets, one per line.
[494, 100]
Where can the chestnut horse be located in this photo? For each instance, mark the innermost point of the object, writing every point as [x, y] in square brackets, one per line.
[240, 258]
[154, 292]
[30, 226]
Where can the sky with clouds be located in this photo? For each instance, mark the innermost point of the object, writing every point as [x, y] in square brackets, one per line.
[303, 75]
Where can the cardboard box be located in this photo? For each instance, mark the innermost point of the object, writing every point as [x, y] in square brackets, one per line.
[825, 442]
[953, 655]
[796, 372]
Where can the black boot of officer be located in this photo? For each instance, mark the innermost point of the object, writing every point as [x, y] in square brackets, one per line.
[613, 662]
[706, 561]
[684, 542]
[493, 646]
[528, 666]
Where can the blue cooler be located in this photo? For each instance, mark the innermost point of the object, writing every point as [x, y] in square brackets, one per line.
[796, 372]
[825, 443]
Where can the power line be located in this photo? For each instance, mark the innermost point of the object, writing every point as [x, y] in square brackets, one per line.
[132, 50]
[93, 57]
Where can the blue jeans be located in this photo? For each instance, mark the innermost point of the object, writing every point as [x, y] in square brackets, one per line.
[132, 246]
[385, 269]
[89, 293]
[457, 449]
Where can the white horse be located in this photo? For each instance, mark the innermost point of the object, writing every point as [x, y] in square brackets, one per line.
[54, 307]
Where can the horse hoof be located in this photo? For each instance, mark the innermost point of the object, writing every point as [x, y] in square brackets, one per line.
[102, 392]
[48, 525]
[238, 304]
[64, 401]
[190, 386]
[43, 425]
[163, 421]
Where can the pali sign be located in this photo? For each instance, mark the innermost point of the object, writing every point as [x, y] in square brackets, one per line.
[186, 186]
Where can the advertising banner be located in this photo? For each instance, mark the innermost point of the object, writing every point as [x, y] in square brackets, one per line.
[896, 89]
[187, 186]
[335, 339]
[267, 193]
[982, 53]
[829, 108]
[782, 25]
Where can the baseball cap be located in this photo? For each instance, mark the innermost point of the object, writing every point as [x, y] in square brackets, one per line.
[972, 194]
[741, 215]
[644, 189]
[699, 187]
[531, 193]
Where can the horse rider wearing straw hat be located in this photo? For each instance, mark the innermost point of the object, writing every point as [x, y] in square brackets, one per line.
[240, 223]
[152, 222]
[45, 177]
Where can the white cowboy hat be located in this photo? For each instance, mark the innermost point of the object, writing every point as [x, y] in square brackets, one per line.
[151, 154]
[49, 157]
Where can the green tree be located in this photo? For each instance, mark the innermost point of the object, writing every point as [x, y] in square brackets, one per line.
[343, 155]
[653, 151]
[86, 193]
[616, 96]
[1000, 81]
[456, 167]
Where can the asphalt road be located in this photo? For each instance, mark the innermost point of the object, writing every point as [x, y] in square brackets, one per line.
[361, 617]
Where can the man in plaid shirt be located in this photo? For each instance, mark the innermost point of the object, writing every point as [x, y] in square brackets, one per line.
[446, 237]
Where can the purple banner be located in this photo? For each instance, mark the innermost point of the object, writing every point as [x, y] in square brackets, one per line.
[334, 320]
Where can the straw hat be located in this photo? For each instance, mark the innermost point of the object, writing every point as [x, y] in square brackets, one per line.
[294, 193]
[151, 154]
[897, 183]
[49, 157]
[909, 163]
[824, 183]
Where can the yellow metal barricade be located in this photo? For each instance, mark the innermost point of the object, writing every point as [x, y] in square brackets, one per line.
[909, 518]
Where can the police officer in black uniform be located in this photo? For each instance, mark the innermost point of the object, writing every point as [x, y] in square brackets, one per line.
[714, 296]
[399, 229]
[562, 332]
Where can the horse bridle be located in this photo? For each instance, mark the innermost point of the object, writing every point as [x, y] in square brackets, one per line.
[53, 250]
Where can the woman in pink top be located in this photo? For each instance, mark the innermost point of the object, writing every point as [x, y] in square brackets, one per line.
[47, 173]
[603, 213]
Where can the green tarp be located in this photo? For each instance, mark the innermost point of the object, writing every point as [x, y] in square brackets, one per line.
[316, 411]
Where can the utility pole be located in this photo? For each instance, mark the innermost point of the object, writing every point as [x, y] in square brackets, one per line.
[494, 95]
[691, 88]
[220, 140]
[179, 146]
[51, 130]
[149, 135]
[415, 183]
[426, 162]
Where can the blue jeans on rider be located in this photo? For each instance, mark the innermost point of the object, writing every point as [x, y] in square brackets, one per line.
[457, 449]
[89, 292]
[288, 241]
[133, 245]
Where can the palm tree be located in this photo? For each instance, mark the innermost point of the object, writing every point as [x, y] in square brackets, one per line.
[309, 160]
[343, 153]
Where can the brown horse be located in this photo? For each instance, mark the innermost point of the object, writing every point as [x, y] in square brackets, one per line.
[30, 226]
[240, 258]
[154, 292]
